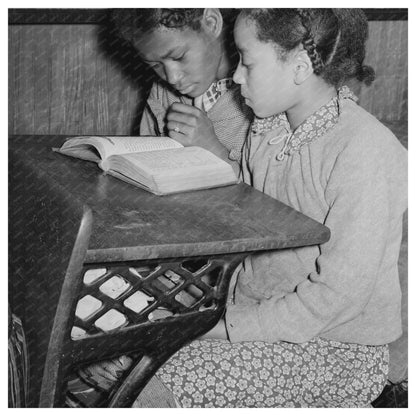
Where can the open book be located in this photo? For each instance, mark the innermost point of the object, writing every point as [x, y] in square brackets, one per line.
[159, 165]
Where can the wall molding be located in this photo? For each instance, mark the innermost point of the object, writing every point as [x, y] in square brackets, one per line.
[99, 16]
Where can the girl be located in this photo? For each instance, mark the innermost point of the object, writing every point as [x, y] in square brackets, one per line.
[308, 327]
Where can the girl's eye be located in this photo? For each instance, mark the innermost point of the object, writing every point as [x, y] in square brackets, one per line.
[244, 63]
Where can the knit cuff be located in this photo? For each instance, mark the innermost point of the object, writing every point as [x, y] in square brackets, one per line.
[242, 323]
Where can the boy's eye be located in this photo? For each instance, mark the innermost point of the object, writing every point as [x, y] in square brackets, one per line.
[153, 65]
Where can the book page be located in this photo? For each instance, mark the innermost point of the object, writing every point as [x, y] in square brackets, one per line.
[138, 144]
[172, 170]
[109, 145]
[173, 159]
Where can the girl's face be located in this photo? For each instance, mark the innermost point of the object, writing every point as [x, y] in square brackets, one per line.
[187, 59]
[267, 82]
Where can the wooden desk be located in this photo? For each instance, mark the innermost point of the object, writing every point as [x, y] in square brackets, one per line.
[134, 235]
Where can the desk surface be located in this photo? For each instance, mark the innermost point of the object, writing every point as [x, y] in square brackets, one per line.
[48, 192]
[130, 223]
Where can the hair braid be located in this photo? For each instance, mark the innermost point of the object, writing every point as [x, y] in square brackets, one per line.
[309, 43]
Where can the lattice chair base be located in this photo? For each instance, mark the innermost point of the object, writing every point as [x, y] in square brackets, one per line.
[115, 297]
[146, 310]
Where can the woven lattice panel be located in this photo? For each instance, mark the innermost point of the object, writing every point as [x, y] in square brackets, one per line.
[116, 296]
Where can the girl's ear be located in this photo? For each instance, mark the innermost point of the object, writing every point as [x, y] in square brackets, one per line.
[303, 68]
[212, 21]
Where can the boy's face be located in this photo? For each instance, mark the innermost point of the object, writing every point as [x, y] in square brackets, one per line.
[267, 82]
[187, 59]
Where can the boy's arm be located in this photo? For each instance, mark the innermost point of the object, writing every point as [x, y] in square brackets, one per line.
[154, 113]
[148, 123]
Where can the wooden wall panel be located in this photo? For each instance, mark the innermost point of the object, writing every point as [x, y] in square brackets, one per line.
[61, 81]
[65, 79]
[387, 52]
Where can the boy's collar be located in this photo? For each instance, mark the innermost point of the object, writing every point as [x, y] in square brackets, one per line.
[208, 99]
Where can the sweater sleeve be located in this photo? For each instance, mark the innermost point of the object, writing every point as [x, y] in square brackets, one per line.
[148, 123]
[359, 217]
[152, 123]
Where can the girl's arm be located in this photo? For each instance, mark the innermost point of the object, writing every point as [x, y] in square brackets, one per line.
[218, 332]
[366, 194]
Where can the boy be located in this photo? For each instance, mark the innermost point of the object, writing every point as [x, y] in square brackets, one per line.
[195, 100]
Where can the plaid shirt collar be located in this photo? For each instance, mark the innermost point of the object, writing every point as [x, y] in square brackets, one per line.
[213, 93]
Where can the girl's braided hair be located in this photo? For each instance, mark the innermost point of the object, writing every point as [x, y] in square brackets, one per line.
[309, 42]
[334, 39]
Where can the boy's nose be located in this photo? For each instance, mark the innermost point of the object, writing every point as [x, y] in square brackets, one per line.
[173, 75]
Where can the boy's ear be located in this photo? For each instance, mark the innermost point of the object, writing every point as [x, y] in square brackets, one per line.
[303, 68]
[212, 21]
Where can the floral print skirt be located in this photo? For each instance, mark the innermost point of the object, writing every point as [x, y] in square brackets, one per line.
[319, 373]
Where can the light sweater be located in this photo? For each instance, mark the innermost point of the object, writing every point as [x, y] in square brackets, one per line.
[353, 179]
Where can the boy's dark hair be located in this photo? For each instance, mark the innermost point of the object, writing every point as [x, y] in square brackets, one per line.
[333, 38]
[133, 22]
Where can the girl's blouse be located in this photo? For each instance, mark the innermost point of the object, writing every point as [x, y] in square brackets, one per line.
[346, 170]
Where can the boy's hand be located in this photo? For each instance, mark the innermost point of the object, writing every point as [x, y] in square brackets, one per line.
[191, 127]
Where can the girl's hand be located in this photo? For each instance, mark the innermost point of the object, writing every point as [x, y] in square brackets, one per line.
[191, 127]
